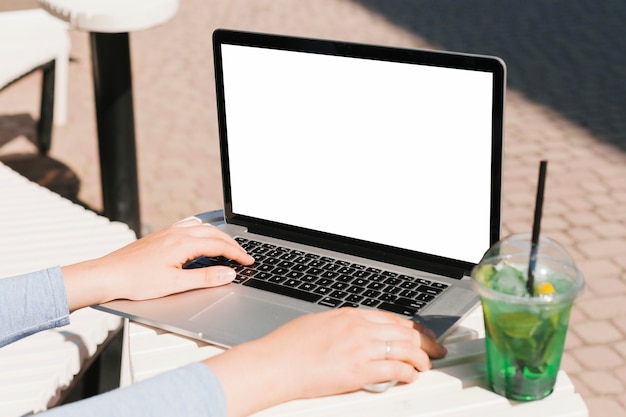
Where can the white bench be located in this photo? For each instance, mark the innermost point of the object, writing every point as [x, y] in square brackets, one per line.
[41, 229]
[30, 40]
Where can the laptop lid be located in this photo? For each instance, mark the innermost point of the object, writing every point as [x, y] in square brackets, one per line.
[385, 153]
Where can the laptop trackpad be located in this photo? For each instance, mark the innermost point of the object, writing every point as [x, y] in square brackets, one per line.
[237, 318]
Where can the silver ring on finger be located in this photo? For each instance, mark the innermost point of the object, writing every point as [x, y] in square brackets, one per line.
[387, 349]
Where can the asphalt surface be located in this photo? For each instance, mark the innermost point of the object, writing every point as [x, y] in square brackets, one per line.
[565, 103]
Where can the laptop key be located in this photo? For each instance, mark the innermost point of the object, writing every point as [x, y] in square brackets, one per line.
[324, 282]
[339, 294]
[376, 286]
[308, 278]
[398, 309]
[370, 302]
[348, 304]
[240, 279]
[408, 294]
[387, 297]
[307, 286]
[322, 290]
[344, 278]
[263, 275]
[407, 302]
[277, 279]
[371, 293]
[294, 274]
[354, 298]
[339, 285]
[330, 302]
[279, 289]
[425, 297]
[429, 290]
[360, 273]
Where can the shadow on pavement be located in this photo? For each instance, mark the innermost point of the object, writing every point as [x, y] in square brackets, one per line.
[568, 55]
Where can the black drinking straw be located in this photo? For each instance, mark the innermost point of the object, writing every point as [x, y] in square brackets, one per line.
[530, 283]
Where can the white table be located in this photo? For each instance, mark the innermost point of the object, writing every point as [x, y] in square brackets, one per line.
[456, 387]
[39, 229]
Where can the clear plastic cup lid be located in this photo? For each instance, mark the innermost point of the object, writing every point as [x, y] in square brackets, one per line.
[519, 244]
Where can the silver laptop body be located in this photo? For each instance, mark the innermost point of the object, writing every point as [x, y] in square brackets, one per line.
[381, 158]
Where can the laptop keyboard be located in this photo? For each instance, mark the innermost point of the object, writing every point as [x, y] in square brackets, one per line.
[327, 281]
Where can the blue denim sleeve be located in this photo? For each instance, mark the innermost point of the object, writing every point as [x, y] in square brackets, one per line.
[30, 303]
[192, 390]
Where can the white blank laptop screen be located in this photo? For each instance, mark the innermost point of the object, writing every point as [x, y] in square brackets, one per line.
[329, 143]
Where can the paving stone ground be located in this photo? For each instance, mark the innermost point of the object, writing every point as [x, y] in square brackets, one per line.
[585, 206]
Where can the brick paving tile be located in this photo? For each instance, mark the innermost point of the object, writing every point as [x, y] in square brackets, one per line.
[606, 286]
[605, 407]
[603, 308]
[604, 248]
[597, 357]
[601, 382]
[621, 346]
[595, 332]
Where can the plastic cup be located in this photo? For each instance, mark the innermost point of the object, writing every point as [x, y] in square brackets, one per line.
[525, 335]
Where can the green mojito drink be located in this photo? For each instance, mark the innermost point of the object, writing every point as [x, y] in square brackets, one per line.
[525, 333]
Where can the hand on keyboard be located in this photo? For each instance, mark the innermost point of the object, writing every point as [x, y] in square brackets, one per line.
[151, 267]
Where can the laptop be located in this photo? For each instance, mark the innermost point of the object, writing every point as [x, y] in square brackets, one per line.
[379, 168]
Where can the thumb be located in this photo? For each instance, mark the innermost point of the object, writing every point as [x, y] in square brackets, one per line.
[212, 276]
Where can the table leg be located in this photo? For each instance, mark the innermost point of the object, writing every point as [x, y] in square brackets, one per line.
[110, 54]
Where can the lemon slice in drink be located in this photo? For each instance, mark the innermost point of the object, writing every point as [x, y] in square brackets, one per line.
[484, 273]
[544, 288]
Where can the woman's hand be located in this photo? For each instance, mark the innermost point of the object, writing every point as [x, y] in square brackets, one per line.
[334, 352]
[151, 267]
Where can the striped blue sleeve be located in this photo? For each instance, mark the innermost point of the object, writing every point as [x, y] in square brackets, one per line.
[192, 390]
[32, 302]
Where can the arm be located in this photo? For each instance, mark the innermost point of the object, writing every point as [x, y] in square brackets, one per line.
[147, 268]
[296, 361]
[30, 303]
[320, 354]
[192, 390]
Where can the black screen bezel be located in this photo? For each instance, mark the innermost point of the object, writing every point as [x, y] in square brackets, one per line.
[411, 259]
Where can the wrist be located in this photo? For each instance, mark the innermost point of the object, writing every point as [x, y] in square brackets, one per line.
[250, 379]
[85, 286]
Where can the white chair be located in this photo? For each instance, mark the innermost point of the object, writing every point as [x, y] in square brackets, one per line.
[109, 23]
[32, 40]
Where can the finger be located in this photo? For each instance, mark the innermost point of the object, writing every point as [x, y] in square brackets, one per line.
[379, 316]
[407, 337]
[213, 276]
[188, 221]
[423, 329]
[210, 241]
[238, 254]
[431, 346]
[384, 371]
[407, 351]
